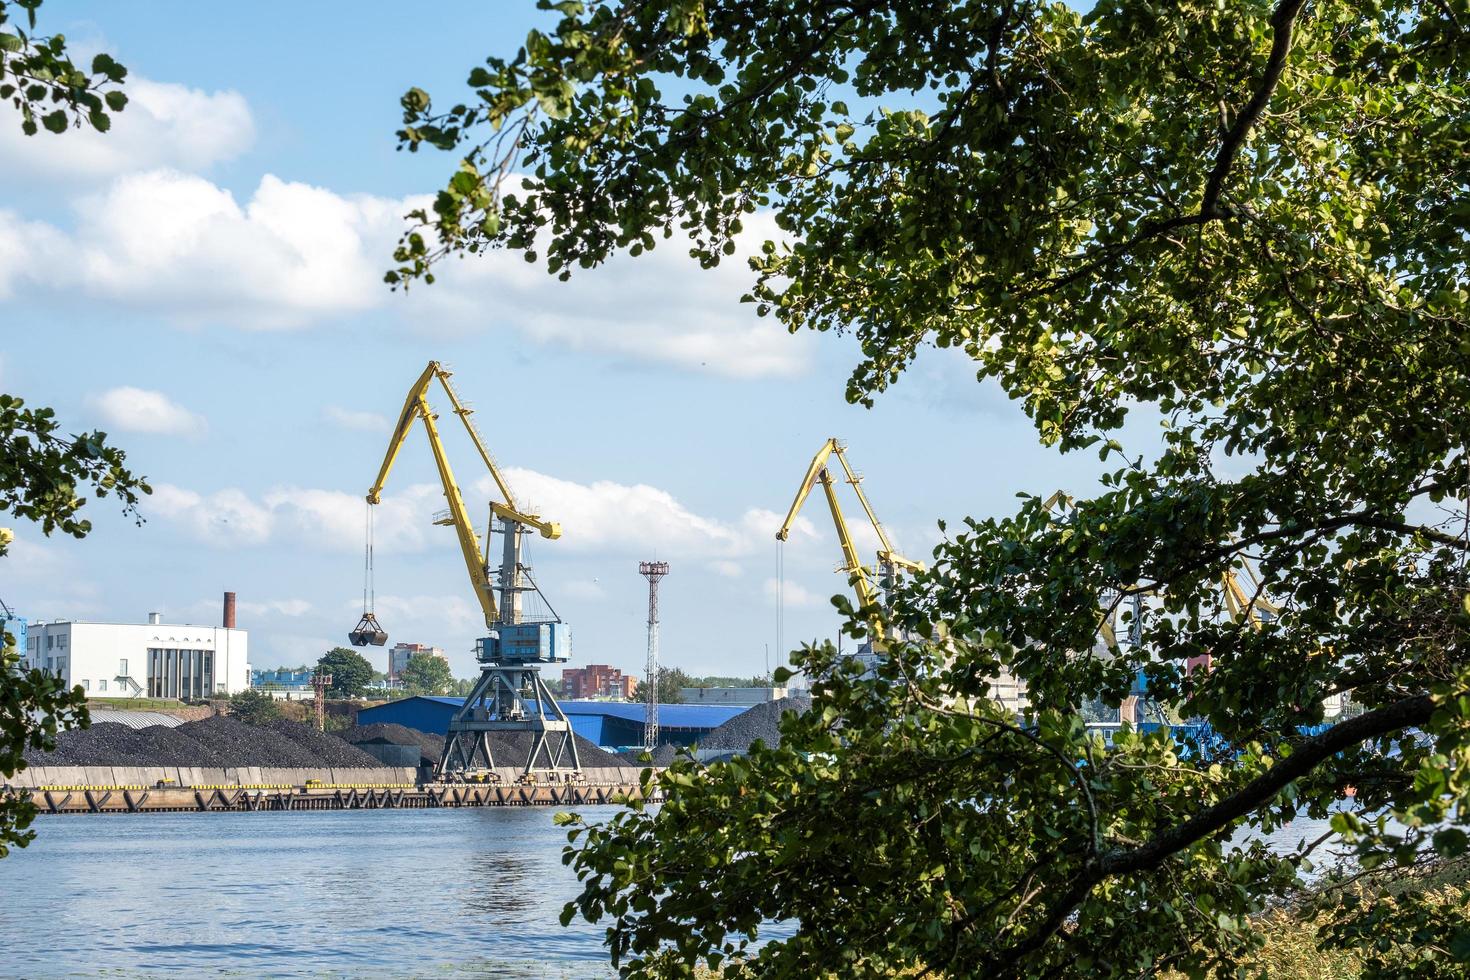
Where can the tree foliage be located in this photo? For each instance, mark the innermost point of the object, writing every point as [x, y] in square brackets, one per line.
[1247, 220]
[426, 674]
[38, 77]
[43, 475]
[351, 671]
[254, 707]
[670, 682]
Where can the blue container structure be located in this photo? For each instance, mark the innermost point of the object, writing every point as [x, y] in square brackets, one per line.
[610, 724]
[527, 643]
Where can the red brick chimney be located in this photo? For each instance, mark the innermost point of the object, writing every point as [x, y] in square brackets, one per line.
[229, 610]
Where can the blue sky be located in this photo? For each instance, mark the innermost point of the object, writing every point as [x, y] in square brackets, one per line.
[203, 284]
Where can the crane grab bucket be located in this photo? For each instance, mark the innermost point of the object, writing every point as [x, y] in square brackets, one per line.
[368, 632]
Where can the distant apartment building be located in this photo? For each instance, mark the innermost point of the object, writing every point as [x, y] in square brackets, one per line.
[597, 681]
[153, 659]
[402, 653]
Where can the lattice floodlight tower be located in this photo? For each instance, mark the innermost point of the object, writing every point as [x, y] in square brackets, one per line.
[510, 695]
[653, 571]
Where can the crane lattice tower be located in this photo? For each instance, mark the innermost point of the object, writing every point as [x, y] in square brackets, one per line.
[653, 571]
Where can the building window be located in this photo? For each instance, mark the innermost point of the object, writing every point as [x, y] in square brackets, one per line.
[86, 685]
[50, 641]
[101, 685]
[122, 668]
[61, 641]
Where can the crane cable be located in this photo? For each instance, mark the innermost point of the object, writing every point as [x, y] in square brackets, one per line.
[369, 592]
[781, 651]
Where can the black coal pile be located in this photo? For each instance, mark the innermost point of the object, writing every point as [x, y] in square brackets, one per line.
[760, 722]
[171, 747]
[247, 745]
[431, 746]
[512, 749]
[223, 742]
[104, 744]
[327, 749]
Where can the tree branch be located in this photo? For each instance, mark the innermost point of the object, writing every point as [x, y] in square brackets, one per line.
[1306, 756]
[1283, 20]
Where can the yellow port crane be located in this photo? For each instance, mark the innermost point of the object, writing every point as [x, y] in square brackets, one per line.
[510, 695]
[415, 407]
[890, 562]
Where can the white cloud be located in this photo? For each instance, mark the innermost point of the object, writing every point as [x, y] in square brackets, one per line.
[336, 521]
[330, 520]
[792, 595]
[178, 245]
[227, 518]
[608, 516]
[164, 125]
[598, 517]
[140, 410]
[660, 307]
[26, 249]
[293, 255]
[347, 418]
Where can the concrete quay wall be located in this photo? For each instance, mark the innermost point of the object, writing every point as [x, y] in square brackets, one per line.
[256, 777]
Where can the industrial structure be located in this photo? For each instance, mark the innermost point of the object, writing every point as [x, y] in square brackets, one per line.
[136, 660]
[654, 571]
[510, 695]
[864, 580]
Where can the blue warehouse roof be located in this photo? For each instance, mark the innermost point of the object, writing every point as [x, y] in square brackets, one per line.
[610, 724]
[693, 717]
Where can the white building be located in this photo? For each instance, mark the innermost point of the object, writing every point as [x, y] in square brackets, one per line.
[153, 659]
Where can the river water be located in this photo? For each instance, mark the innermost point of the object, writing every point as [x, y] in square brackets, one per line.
[452, 892]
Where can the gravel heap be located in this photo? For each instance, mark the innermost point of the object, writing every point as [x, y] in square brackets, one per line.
[760, 722]
[431, 747]
[218, 742]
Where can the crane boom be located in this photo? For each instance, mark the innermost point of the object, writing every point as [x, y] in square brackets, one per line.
[416, 406]
[888, 558]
